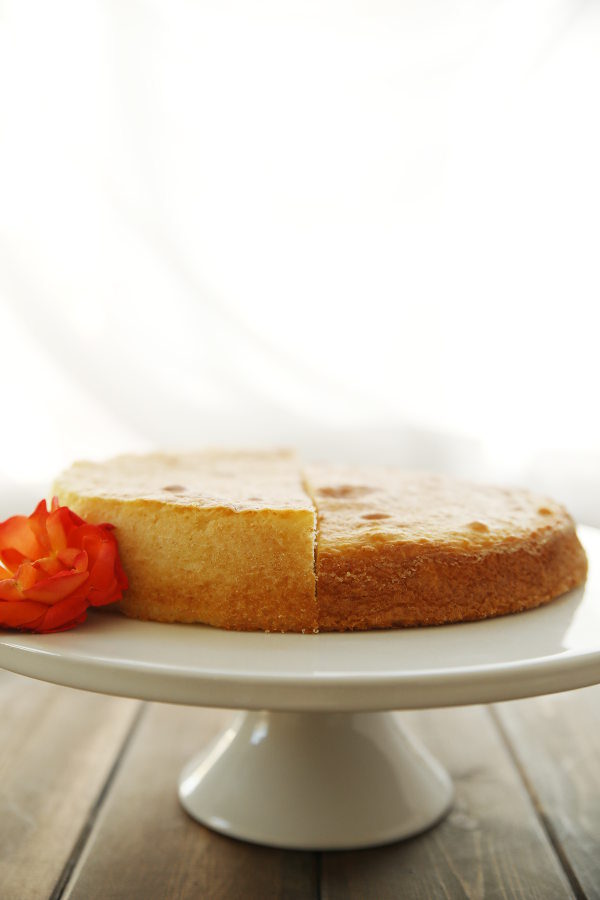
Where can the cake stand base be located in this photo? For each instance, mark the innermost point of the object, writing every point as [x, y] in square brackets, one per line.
[316, 781]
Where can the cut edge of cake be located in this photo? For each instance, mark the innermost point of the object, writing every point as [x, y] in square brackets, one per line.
[228, 557]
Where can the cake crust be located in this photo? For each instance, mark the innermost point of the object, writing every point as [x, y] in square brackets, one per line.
[400, 548]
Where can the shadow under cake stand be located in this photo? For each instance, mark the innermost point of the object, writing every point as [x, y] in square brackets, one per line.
[317, 761]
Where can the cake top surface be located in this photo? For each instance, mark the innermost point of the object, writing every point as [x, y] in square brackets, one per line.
[237, 480]
[370, 505]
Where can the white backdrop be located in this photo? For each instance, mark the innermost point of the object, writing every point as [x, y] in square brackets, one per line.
[368, 228]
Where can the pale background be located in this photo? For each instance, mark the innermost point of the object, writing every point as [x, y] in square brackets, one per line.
[369, 228]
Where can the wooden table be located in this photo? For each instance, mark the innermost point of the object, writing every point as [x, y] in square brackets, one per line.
[88, 807]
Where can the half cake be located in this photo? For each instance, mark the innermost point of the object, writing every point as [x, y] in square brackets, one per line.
[220, 537]
[398, 548]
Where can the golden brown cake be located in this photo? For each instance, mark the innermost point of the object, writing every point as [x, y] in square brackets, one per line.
[223, 538]
[228, 539]
[397, 548]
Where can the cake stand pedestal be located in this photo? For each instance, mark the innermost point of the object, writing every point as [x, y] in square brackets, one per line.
[316, 780]
[318, 762]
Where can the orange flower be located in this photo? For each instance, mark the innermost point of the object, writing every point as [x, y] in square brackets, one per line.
[53, 565]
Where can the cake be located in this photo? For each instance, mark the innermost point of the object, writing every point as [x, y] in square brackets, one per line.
[399, 548]
[252, 541]
[223, 538]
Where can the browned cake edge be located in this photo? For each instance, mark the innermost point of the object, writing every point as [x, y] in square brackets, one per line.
[389, 586]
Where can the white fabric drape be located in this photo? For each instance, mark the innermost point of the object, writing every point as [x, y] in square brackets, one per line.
[349, 226]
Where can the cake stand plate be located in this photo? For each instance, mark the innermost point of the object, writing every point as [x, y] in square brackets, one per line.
[317, 762]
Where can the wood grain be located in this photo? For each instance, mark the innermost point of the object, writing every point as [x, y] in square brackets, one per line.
[556, 742]
[57, 747]
[491, 845]
[145, 846]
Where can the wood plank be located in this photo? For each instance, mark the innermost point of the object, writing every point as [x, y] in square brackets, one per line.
[57, 747]
[556, 741]
[491, 845]
[144, 845]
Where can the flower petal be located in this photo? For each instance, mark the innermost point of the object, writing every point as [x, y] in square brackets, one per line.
[75, 519]
[49, 565]
[27, 575]
[37, 522]
[58, 526]
[102, 569]
[59, 616]
[54, 589]
[11, 558]
[16, 533]
[19, 614]
[72, 623]
[73, 558]
[107, 578]
[9, 590]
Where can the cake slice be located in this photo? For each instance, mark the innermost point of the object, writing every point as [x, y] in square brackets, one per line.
[220, 537]
[401, 548]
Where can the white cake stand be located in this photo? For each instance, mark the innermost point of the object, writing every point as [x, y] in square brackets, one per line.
[319, 763]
